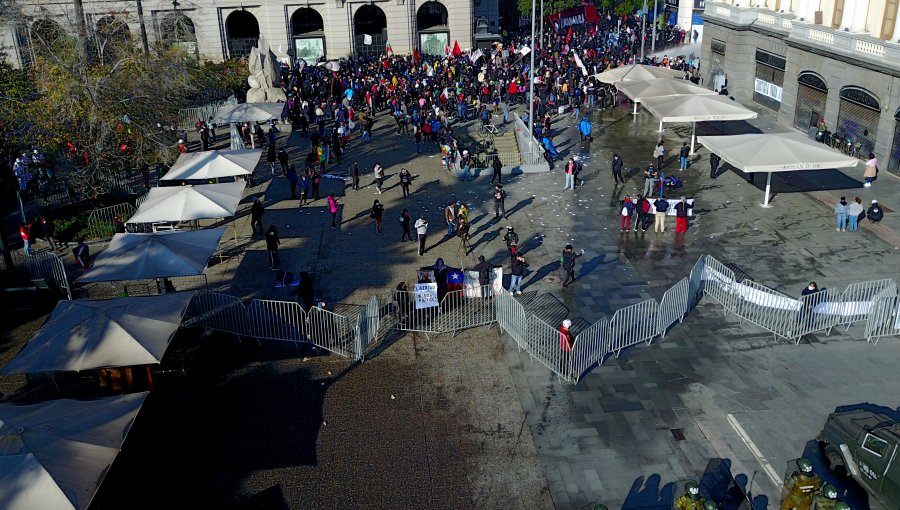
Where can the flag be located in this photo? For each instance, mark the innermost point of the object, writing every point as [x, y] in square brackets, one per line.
[525, 50]
[476, 55]
[456, 50]
[580, 64]
[569, 35]
[455, 280]
[367, 39]
[387, 47]
[416, 56]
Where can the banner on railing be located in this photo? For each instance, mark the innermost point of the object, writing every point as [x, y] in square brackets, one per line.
[426, 295]
[472, 286]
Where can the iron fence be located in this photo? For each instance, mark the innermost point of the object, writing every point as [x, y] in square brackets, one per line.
[101, 222]
[632, 325]
[884, 318]
[511, 317]
[857, 299]
[43, 267]
[673, 306]
[368, 323]
[591, 348]
[767, 308]
[545, 344]
[718, 281]
[187, 117]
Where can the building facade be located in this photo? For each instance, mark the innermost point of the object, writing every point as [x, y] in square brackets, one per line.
[835, 62]
[306, 28]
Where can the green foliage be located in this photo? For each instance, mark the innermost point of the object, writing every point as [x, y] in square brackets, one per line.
[624, 6]
[70, 229]
[550, 6]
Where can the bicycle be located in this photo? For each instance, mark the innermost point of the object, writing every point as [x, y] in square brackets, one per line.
[493, 129]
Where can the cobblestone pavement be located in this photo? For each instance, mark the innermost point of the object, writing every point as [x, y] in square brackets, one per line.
[743, 403]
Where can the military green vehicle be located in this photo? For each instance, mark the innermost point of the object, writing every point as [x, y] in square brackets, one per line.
[864, 444]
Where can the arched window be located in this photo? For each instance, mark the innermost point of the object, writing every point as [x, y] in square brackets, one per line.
[305, 21]
[370, 30]
[430, 15]
[308, 33]
[858, 119]
[242, 32]
[812, 95]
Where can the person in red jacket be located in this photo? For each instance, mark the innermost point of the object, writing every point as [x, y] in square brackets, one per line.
[25, 232]
[566, 344]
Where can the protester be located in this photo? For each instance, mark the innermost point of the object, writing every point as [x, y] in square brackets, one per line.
[841, 210]
[421, 232]
[405, 222]
[568, 264]
[377, 214]
[855, 212]
[272, 242]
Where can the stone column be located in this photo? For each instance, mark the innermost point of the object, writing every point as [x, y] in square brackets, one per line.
[800, 9]
[811, 7]
[896, 35]
[847, 17]
[860, 13]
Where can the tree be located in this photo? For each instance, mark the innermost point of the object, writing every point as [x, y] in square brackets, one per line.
[102, 107]
[623, 6]
[550, 6]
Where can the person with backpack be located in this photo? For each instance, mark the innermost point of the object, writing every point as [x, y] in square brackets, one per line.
[421, 232]
[627, 212]
[875, 213]
[661, 205]
[499, 201]
[714, 161]
[683, 155]
[643, 214]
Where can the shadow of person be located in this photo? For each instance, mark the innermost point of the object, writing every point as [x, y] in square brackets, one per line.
[543, 271]
[592, 264]
[648, 494]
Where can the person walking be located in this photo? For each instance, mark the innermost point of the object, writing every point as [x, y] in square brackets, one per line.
[405, 181]
[649, 178]
[421, 232]
[659, 152]
[570, 175]
[497, 166]
[516, 272]
[512, 240]
[871, 170]
[271, 157]
[25, 234]
[714, 161]
[499, 201]
[304, 190]
[627, 213]
[466, 163]
[617, 169]
[256, 213]
[333, 209]
[450, 217]
[854, 211]
[683, 155]
[377, 214]
[354, 174]
[661, 205]
[568, 264]
[379, 177]
[566, 344]
[272, 242]
[82, 254]
[283, 160]
[681, 214]
[584, 129]
[840, 212]
[292, 179]
[405, 222]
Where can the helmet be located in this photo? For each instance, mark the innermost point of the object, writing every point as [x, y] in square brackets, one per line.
[692, 488]
[710, 505]
[805, 466]
[600, 506]
[830, 491]
[841, 506]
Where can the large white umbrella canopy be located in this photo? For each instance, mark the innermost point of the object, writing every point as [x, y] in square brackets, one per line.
[55, 454]
[156, 255]
[694, 109]
[637, 91]
[637, 72]
[248, 112]
[775, 152]
[213, 164]
[85, 334]
[183, 203]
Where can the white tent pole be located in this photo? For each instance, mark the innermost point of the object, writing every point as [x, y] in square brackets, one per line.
[660, 126]
[693, 135]
[635, 109]
[768, 187]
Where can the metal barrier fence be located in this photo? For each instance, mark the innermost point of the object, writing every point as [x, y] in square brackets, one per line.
[333, 332]
[101, 222]
[456, 311]
[718, 281]
[632, 325]
[276, 320]
[544, 343]
[214, 310]
[765, 307]
[818, 312]
[511, 318]
[857, 299]
[187, 117]
[591, 348]
[673, 306]
[144, 287]
[43, 265]
[884, 318]
[368, 323]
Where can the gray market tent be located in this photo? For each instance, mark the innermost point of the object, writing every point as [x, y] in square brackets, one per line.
[213, 164]
[85, 334]
[694, 109]
[184, 203]
[637, 72]
[55, 454]
[637, 91]
[246, 112]
[156, 255]
[778, 152]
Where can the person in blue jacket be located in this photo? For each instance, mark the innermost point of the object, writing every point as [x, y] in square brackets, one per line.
[550, 148]
[584, 127]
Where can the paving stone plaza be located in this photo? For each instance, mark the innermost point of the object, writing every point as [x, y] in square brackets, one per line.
[467, 421]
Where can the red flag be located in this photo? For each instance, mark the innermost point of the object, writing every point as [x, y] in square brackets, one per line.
[457, 51]
[569, 35]
[416, 56]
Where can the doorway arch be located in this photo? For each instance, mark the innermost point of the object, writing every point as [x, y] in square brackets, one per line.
[308, 34]
[241, 33]
[178, 30]
[369, 20]
[431, 24]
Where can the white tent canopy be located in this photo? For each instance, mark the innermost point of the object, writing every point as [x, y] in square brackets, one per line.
[637, 72]
[248, 112]
[213, 164]
[55, 454]
[85, 334]
[694, 109]
[775, 152]
[183, 203]
[638, 90]
[156, 255]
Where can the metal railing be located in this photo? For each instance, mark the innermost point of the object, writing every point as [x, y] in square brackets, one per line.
[101, 222]
[673, 306]
[591, 348]
[857, 299]
[45, 266]
[632, 325]
[718, 282]
[884, 318]
[511, 318]
[368, 324]
[187, 117]
[544, 343]
[143, 287]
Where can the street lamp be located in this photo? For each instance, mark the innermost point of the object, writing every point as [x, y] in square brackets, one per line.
[653, 44]
[531, 85]
[643, 30]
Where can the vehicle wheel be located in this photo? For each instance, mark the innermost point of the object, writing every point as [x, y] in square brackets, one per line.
[835, 461]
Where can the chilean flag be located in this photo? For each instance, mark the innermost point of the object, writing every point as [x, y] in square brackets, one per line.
[455, 280]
